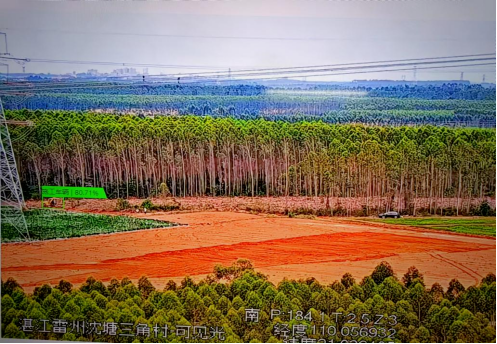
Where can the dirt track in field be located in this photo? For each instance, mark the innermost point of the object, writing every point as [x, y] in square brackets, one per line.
[278, 246]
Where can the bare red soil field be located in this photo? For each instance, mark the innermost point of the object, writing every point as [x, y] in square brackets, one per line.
[278, 246]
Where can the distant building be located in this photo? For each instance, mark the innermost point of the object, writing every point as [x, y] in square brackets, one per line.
[92, 72]
[125, 72]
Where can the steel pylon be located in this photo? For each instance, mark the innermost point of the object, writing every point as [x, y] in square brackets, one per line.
[11, 198]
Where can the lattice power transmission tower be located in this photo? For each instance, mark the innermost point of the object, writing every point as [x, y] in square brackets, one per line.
[11, 198]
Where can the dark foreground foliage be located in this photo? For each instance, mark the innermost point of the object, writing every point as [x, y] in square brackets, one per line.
[423, 314]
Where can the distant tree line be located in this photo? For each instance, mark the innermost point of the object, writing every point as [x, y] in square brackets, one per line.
[444, 91]
[449, 105]
[166, 89]
[416, 312]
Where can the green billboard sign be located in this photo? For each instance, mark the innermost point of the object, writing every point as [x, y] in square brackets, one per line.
[71, 192]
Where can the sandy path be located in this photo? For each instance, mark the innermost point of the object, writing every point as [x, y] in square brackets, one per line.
[278, 246]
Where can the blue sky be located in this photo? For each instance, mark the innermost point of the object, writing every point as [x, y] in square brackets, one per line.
[238, 34]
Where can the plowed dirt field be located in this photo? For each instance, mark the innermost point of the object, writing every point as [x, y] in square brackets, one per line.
[278, 246]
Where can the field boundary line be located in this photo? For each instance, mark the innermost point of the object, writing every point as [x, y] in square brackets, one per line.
[413, 228]
[458, 266]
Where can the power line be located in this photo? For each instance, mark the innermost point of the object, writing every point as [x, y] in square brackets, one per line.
[403, 69]
[350, 64]
[79, 86]
[106, 85]
[334, 68]
[345, 73]
[288, 70]
[110, 63]
[225, 68]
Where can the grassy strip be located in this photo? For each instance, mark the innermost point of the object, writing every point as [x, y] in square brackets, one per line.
[475, 225]
[45, 224]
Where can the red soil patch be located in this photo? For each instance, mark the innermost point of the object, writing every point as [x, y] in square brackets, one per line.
[279, 246]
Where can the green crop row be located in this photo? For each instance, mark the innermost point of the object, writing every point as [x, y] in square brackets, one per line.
[46, 224]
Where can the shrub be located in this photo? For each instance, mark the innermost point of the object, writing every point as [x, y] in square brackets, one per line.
[308, 217]
[424, 211]
[166, 207]
[304, 211]
[489, 279]
[324, 212]
[411, 275]
[147, 204]
[347, 280]
[484, 209]
[122, 204]
[164, 190]
[381, 272]
[450, 211]
[236, 269]
[339, 211]
[255, 208]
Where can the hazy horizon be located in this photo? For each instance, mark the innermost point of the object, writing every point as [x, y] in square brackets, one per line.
[219, 35]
